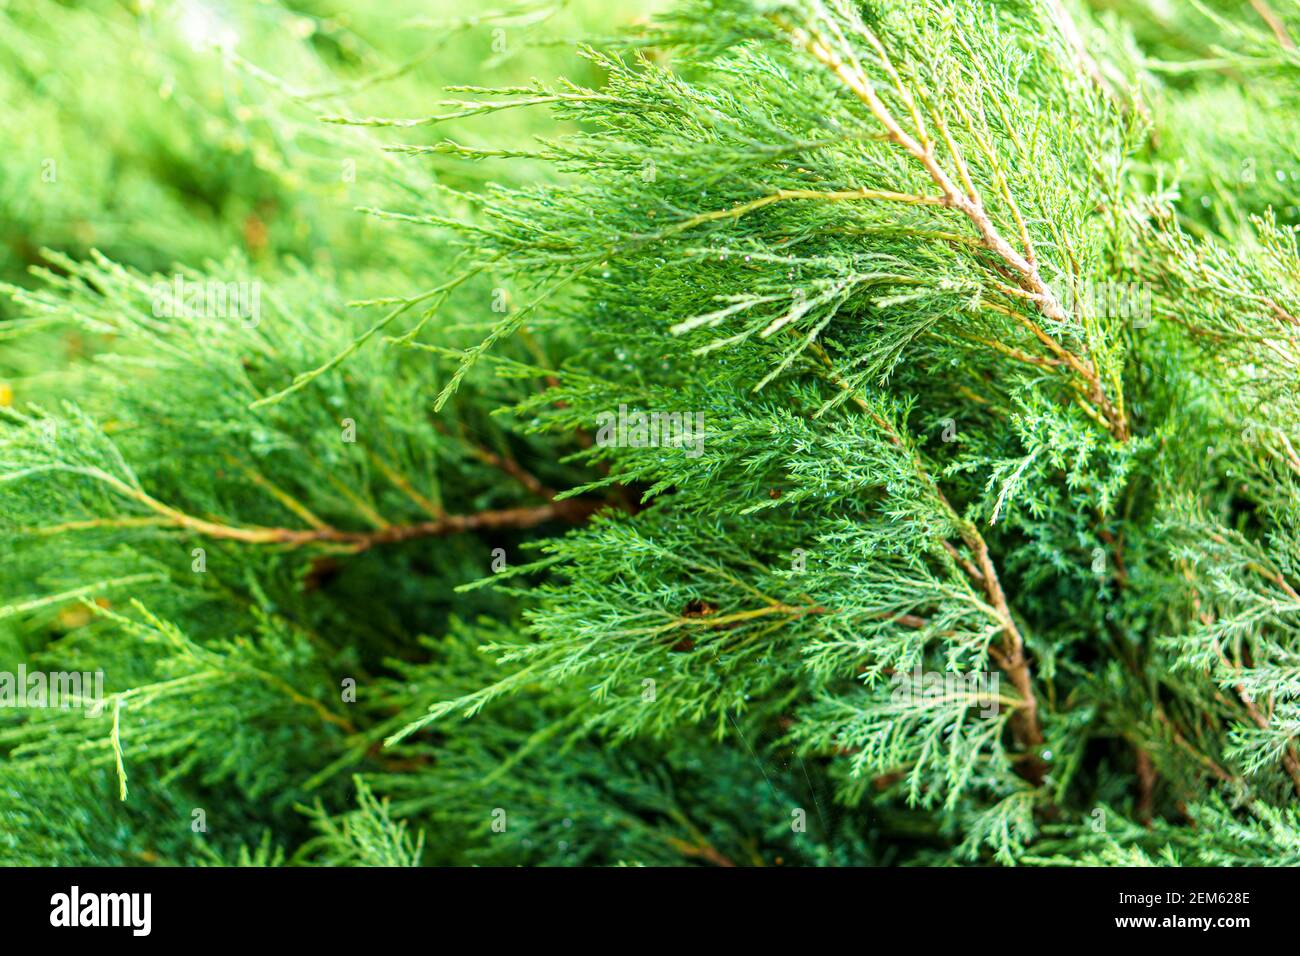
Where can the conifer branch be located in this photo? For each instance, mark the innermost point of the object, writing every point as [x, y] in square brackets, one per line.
[967, 201]
[1074, 40]
[1274, 23]
[571, 511]
[786, 195]
[1010, 657]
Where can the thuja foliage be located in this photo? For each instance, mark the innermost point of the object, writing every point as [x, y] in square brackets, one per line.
[987, 553]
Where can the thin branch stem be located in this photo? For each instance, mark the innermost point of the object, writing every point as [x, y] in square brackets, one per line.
[572, 511]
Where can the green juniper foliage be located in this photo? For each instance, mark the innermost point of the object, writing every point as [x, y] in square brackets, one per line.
[801, 432]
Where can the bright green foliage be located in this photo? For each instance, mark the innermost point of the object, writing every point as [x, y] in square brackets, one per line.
[974, 538]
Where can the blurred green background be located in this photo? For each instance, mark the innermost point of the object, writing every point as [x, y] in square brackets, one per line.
[184, 131]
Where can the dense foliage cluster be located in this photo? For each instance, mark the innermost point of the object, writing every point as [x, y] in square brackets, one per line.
[802, 432]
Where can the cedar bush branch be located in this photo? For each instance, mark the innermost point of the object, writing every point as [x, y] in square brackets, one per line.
[1010, 657]
[571, 511]
[967, 201]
